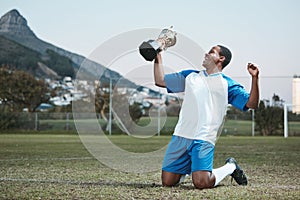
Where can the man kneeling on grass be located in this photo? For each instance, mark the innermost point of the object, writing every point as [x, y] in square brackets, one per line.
[207, 94]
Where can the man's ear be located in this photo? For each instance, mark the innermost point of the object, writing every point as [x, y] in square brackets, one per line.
[222, 58]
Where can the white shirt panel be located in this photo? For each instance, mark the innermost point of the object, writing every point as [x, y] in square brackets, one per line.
[203, 108]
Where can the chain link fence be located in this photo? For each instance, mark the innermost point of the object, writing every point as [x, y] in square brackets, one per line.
[47, 121]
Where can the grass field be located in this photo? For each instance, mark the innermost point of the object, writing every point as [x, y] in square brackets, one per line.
[57, 166]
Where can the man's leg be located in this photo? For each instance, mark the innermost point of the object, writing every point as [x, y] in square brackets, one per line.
[177, 161]
[202, 156]
[222, 172]
[203, 179]
[233, 169]
[206, 179]
[170, 179]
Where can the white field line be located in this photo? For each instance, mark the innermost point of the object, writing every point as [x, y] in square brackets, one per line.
[74, 182]
[34, 180]
[46, 159]
[51, 181]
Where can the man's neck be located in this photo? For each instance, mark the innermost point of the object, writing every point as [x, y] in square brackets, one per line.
[213, 70]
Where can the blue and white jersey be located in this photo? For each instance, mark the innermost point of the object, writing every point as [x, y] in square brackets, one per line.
[205, 102]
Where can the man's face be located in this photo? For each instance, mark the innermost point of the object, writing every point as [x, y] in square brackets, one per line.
[211, 58]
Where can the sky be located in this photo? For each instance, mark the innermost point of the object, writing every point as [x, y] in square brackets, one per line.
[265, 32]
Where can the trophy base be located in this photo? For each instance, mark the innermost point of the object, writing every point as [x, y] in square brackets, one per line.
[149, 50]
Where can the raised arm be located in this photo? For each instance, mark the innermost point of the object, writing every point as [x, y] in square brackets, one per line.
[254, 92]
[159, 73]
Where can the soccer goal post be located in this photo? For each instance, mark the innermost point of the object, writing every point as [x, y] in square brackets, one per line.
[285, 121]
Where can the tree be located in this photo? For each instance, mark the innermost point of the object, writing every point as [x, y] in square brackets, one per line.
[127, 114]
[269, 119]
[21, 90]
[234, 114]
[102, 102]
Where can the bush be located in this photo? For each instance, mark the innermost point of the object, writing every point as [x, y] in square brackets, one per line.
[269, 119]
[14, 120]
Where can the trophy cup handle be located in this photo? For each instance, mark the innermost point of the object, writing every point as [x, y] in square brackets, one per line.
[149, 49]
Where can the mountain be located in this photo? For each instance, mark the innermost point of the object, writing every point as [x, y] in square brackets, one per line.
[18, 37]
[13, 23]
[51, 65]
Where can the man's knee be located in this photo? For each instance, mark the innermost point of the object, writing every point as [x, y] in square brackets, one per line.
[202, 183]
[168, 182]
[203, 179]
[169, 179]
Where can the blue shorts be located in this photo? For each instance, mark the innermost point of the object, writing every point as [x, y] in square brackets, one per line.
[184, 156]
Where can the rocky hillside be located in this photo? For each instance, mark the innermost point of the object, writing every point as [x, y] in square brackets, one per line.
[26, 51]
[47, 65]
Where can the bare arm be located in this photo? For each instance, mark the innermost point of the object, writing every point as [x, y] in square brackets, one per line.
[159, 72]
[254, 92]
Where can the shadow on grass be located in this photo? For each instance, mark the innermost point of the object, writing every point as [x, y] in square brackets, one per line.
[185, 186]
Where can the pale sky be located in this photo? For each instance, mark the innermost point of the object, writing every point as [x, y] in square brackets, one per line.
[265, 32]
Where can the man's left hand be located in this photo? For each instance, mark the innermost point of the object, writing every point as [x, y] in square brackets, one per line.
[253, 69]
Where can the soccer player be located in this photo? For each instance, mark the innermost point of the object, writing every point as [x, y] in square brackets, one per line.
[207, 94]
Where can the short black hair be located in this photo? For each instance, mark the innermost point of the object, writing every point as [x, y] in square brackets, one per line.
[224, 51]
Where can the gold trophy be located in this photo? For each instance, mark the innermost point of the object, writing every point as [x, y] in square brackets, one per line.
[151, 48]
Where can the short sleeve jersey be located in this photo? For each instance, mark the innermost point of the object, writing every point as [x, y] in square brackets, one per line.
[205, 102]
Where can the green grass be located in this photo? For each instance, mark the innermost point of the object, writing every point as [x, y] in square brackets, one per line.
[294, 128]
[57, 166]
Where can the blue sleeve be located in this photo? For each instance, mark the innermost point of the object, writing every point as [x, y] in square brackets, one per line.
[237, 95]
[175, 82]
